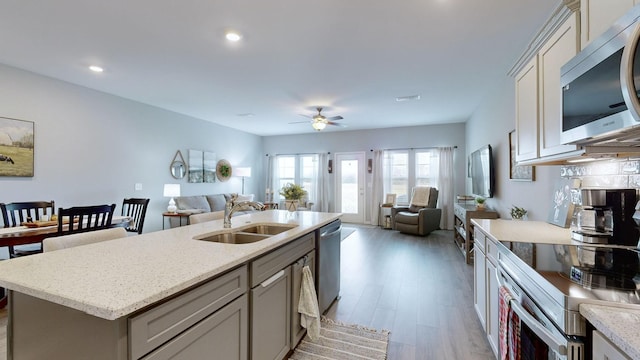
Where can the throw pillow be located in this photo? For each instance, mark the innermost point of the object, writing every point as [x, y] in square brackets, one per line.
[217, 201]
[193, 202]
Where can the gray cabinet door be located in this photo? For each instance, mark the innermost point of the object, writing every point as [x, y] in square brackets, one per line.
[222, 335]
[270, 317]
[158, 325]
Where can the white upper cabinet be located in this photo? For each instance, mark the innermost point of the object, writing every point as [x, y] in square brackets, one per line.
[599, 15]
[560, 48]
[527, 111]
[539, 96]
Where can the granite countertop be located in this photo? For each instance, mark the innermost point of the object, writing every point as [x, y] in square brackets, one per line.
[115, 278]
[620, 325]
[538, 232]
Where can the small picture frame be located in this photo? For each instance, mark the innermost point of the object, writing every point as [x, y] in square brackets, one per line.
[562, 211]
[390, 199]
[518, 172]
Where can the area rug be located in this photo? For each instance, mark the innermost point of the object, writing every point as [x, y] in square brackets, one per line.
[343, 342]
[346, 231]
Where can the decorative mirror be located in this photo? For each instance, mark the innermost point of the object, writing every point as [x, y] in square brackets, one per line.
[178, 168]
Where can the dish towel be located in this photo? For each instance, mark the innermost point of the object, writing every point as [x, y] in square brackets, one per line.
[514, 336]
[504, 321]
[420, 196]
[308, 305]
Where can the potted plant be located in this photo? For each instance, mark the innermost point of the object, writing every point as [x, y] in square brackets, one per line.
[480, 203]
[292, 194]
[518, 213]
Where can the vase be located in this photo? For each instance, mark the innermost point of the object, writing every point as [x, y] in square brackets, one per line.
[291, 205]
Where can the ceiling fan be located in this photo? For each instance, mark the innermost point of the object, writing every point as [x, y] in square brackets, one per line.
[320, 121]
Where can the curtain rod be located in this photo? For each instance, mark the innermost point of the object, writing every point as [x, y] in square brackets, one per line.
[296, 154]
[420, 148]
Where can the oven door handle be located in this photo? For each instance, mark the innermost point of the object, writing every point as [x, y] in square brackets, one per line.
[554, 343]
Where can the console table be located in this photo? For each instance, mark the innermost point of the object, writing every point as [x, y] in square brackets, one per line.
[463, 234]
[175, 215]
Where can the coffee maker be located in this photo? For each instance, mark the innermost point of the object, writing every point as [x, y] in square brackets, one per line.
[605, 216]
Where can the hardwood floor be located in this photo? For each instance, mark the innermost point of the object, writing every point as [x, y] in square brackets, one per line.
[419, 288]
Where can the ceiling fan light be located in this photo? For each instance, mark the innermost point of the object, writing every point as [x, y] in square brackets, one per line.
[318, 125]
[233, 36]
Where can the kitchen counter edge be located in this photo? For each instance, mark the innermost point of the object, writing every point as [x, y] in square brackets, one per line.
[116, 278]
[620, 325]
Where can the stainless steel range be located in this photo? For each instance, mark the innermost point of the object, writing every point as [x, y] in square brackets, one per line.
[549, 292]
[551, 280]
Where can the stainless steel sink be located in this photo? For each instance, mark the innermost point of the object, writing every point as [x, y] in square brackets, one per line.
[246, 235]
[233, 237]
[267, 229]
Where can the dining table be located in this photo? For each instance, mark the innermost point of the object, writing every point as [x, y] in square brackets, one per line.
[24, 235]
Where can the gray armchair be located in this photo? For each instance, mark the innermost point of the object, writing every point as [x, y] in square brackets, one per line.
[417, 220]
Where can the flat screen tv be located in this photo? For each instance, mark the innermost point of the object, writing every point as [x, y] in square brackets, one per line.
[481, 171]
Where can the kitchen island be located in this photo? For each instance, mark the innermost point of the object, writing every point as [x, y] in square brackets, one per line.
[107, 284]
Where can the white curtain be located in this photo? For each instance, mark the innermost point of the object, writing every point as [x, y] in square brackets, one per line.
[445, 185]
[322, 202]
[377, 185]
[271, 182]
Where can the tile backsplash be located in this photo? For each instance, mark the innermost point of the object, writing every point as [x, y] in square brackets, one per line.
[605, 174]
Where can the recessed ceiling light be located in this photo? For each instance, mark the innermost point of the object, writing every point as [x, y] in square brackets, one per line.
[233, 36]
[408, 98]
[96, 68]
[247, 115]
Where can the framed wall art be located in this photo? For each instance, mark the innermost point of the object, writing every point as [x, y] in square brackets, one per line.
[209, 167]
[518, 172]
[16, 147]
[196, 165]
[202, 166]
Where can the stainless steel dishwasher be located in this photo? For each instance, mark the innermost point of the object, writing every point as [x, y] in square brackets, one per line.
[328, 264]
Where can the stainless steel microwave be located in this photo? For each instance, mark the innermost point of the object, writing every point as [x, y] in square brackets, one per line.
[600, 88]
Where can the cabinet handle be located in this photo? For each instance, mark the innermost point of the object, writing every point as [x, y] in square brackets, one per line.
[272, 279]
[326, 235]
[554, 343]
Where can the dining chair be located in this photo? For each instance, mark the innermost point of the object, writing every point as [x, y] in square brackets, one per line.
[136, 209]
[79, 219]
[16, 213]
[86, 238]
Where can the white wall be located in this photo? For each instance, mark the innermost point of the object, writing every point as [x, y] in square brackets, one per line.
[91, 148]
[366, 140]
[491, 124]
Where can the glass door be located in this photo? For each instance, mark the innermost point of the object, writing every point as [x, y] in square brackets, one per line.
[350, 180]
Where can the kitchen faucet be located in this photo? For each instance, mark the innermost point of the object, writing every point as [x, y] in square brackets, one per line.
[230, 208]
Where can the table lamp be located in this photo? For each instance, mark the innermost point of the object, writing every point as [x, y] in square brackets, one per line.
[242, 172]
[171, 190]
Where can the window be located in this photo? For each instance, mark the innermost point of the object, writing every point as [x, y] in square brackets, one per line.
[404, 169]
[427, 164]
[297, 169]
[396, 174]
